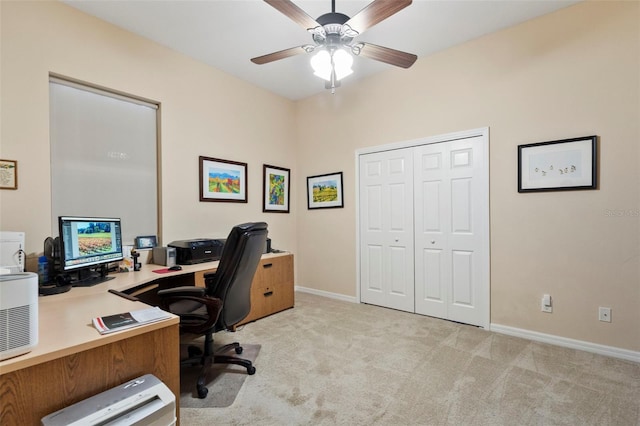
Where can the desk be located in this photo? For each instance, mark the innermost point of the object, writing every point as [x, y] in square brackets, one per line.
[72, 361]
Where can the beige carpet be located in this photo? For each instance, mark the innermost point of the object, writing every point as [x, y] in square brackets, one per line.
[327, 362]
[223, 381]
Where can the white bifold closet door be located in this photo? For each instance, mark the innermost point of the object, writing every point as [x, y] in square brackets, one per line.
[386, 229]
[449, 230]
[422, 230]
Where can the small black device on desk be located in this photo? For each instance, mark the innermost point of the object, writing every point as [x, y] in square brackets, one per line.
[175, 268]
[189, 252]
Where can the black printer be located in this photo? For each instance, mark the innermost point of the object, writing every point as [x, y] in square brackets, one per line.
[189, 252]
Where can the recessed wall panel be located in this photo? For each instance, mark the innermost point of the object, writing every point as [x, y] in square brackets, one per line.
[374, 169]
[396, 166]
[431, 162]
[461, 158]
[461, 213]
[431, 221]
[398, 278]
[432, 282]
[374, 208]
[462, 274]
[397, 201]
[373, 277]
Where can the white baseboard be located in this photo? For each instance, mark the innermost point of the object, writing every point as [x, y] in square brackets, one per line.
[326, 294]
[568, 343]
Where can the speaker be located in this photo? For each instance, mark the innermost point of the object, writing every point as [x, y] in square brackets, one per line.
[164, 256]
[18, 314]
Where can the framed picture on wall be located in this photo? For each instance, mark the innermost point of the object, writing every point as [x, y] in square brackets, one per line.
[222, 180]
[325, 191]
[8, 174]
[275, 189]
[562, 165]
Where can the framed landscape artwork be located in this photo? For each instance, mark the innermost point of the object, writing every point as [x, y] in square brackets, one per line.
[325, 191]
[222, 180]
[562, 165]
[275, 189]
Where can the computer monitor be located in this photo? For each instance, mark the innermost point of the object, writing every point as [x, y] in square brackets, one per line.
[88, 245]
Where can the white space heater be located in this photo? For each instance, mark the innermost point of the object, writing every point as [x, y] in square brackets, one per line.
[18, 313]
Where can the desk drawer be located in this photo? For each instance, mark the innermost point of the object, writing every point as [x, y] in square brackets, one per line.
[272, 287]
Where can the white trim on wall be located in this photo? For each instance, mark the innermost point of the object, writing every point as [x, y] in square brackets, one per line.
[567, 343]
[327, 294]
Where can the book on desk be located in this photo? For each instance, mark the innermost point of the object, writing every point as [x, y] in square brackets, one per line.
[123, 321]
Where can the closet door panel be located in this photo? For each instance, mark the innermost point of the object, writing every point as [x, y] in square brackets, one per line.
[386, 223]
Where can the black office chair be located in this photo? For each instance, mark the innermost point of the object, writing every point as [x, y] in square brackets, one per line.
[223, 303]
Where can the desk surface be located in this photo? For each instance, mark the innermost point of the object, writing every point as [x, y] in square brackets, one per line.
[64, 320]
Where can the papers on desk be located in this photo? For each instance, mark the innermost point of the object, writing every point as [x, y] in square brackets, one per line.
[123, 321]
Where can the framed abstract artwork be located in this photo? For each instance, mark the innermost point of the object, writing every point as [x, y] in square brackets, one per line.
[562, 165]
[276, 189]
[325, 191]
[222, 180]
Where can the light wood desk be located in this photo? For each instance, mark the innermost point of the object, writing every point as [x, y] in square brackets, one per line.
[72, 361]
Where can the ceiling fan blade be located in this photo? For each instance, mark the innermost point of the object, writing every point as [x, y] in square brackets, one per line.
[375, 12]
[275, 56]
[386, 55]
[294, 13]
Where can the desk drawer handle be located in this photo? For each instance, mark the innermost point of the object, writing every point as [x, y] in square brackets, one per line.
[267, 265]
[268, 293]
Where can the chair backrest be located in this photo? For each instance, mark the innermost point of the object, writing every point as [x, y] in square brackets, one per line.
[232, 282]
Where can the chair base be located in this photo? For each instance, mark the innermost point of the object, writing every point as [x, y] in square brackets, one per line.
[209, 357]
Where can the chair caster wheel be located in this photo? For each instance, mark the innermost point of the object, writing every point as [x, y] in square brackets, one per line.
[202, 392]
[239, 350]
[251, 370]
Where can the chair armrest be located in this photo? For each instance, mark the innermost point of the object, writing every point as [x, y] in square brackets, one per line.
[187, 290]
[187, 302]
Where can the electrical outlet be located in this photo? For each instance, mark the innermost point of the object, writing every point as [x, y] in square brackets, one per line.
[604, 314]
[545, 304]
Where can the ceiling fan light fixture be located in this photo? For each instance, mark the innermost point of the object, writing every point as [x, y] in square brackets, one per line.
[325, 63]
[342, 62]
[321, 64]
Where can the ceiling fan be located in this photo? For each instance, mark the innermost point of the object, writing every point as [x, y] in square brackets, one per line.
[333, 36]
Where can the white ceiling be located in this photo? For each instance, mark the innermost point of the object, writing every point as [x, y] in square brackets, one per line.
[226, 34]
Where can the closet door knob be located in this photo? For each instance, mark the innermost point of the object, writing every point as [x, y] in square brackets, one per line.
[433, 241]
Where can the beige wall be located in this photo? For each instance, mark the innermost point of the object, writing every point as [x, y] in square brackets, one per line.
[572, 73]
[204, 112]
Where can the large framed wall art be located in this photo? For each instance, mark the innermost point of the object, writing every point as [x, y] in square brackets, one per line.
[275, 189]
[222, 180]
[562, 165]
[325, 191]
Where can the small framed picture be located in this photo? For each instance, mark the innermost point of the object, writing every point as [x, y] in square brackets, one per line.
[222, 180]
[562, 165]
[146, 242]
[8, 174]
[275, 189]
[325, 191]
